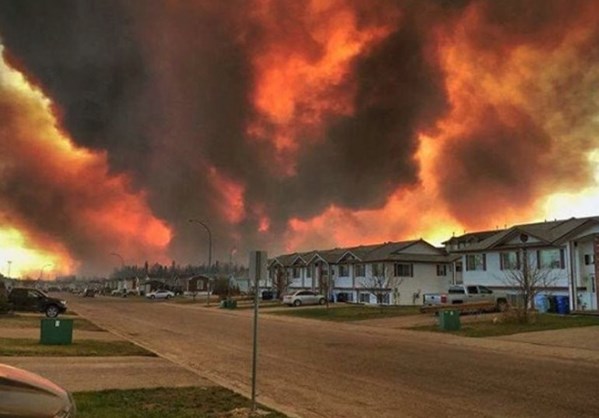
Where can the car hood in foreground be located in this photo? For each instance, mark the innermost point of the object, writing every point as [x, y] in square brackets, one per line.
[27, 395]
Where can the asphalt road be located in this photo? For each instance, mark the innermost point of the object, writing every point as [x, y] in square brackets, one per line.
[321, 369]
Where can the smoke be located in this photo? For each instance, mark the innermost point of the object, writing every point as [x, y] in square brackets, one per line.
[289, 125]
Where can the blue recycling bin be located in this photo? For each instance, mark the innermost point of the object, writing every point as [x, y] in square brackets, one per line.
[542, 303]
[563, 305]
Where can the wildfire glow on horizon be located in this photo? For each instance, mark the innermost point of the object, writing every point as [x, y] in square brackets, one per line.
[287, 126]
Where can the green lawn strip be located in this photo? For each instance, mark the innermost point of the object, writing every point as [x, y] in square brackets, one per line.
[350, 313]
[544, 322]
[33, 321]
[165, 403]
[29, 347]
[267, 305]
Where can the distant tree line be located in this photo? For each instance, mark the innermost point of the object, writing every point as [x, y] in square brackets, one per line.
[158, 270]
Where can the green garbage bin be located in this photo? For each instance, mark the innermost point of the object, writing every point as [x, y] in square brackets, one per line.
[56, 331]
[449, 320]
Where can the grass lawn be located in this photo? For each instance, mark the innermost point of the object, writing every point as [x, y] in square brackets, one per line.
[350, 312]
[214, 300]
[263, 304]
[33, 321]
[32, 348]
[543, 322]
[165, 403]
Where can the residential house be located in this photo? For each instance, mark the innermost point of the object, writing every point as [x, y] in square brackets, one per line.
[564, 250]
[392, 272]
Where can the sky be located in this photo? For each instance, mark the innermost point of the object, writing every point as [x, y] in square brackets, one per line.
[286, 126]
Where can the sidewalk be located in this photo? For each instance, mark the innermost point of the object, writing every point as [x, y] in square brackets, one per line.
[100, 373]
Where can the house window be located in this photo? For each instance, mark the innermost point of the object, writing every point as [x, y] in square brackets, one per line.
[386, 299]
[510, 260]
[343, 270]
[476, 262]
[441, 269]
[589, 259]
[365, 297]
[359, 270]
[378, 269]
[296, 272]
[403, 270]
[550, 259]
[309, 272]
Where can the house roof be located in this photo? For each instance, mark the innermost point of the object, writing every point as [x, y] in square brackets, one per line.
[367, 253]
[552, 233]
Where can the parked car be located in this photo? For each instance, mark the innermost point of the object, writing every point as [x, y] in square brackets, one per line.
[25, 395]
[460, 294]
[89, 293]
[23, 299]
[304, 297]
[160, 294]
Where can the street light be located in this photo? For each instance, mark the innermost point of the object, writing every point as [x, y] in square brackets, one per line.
[42, 270]
[209, 240]
[120, 257]
[209, 256]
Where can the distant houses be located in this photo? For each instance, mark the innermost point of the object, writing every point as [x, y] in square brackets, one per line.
[401, 272]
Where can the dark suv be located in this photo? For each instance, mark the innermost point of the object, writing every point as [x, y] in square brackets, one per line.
[33, 300]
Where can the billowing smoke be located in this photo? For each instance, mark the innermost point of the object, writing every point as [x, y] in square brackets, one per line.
[287, 125]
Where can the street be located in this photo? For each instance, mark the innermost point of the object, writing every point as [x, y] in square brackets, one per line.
[325, 369]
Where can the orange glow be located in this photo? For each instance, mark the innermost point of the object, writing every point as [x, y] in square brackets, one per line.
[67, 182]
[304, 78]
[230, 196]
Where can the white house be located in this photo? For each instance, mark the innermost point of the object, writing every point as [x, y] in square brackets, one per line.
[395, 272]
[565, 250]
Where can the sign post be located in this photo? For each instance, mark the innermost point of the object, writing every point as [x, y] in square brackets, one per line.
[258, 266]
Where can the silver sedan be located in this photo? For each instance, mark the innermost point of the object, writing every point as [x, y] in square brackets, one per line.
[304, 297]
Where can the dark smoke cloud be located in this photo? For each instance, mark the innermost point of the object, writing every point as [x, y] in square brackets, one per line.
[166, 88]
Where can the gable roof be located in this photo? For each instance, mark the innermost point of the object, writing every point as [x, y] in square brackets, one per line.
[387, 251]
[552, 233]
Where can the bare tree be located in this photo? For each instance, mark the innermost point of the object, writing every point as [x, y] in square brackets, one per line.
[380, 285]
[529, 281]
[281, 281]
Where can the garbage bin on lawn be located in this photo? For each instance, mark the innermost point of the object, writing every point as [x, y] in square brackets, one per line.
[449, 320]
[228, 303]
[552, 303]
[563, 305]
[54, 331]
[541, 303]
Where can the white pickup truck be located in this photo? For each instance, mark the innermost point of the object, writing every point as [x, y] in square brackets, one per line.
[461, 294]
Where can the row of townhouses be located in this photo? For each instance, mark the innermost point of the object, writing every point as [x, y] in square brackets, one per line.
[564, 251]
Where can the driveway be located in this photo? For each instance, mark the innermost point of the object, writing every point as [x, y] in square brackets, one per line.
[321, 369]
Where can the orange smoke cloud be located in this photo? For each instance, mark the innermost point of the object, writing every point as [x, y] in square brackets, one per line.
[62, 198]
[230, 196]
[522, 114]
[302, 69]
[517, 143]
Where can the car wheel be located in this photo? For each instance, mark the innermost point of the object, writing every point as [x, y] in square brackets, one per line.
[297, 302]
[152, 297]
[52, 311]
[322, 301]
[168, 297]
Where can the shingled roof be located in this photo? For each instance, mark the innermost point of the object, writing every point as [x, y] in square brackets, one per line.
[552, 233]
[392, 251]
